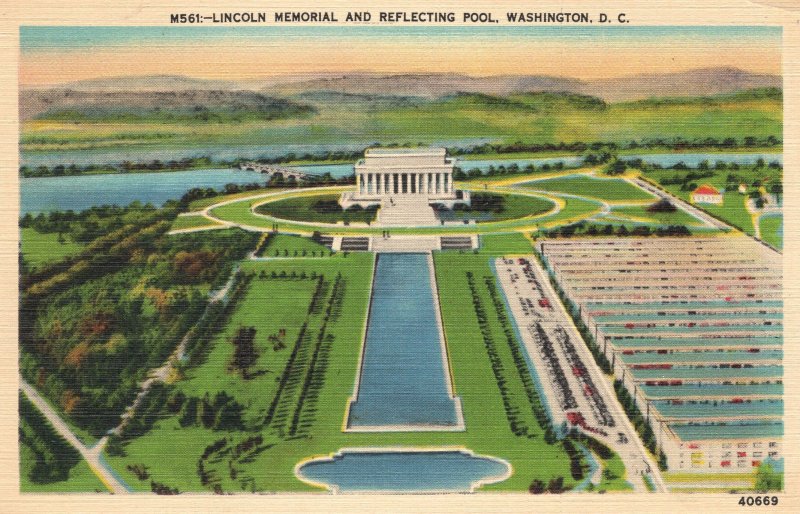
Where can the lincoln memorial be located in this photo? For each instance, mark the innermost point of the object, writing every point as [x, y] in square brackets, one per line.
[390, 175]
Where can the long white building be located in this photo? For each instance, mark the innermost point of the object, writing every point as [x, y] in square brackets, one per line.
[400, 173]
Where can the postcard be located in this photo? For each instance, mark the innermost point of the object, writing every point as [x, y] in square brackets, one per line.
[529, 253]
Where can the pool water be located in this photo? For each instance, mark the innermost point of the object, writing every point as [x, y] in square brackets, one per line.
[404, 376]
[404, 471]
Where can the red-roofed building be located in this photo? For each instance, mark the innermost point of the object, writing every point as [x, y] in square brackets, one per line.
[706, 194]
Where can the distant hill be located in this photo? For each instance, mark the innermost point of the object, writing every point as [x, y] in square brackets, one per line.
[706, 81]
[761, 93]
[698, 82]
[174, 106]
[330, 98]
[151, 83]
[430, 85]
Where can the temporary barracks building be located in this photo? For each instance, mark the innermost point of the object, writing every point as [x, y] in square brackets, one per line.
[694, 330]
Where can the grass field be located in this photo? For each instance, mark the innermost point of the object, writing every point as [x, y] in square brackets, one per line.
[47, 462]
[514, 206]
[610, 190]
[614, 476]
[301, 209]
[81, 479]
[184, 222]
[198, 205]
[532, 118]
[642, 215]
[772, 230]
[733, 209]
[284, 245]
[505, 244]
[574, 209]
[38, 248]
[271, 304]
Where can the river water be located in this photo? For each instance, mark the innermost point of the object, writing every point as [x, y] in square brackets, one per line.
[43, 194]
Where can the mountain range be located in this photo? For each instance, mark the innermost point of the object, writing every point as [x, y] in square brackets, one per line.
[701, 81]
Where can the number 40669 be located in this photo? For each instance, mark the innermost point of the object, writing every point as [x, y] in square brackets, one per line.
[758, 500]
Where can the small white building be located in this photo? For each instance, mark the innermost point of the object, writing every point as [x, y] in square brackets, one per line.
[706, 194]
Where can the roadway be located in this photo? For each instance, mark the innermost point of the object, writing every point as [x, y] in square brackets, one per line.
[92, 455]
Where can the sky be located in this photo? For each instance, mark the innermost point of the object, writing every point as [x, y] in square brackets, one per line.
[55, 55]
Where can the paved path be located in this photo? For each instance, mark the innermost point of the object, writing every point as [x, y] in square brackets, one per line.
[90, 454]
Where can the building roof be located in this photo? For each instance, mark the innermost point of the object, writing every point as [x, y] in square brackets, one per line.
[706, 189]
[406, 151]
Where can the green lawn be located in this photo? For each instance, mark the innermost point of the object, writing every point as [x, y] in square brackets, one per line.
[198, 205]
[301, 209]
[47, 462]
[184, 222]
[285, 245]
[271, 304]
[525, 118]
[575, 209]
[772, 230]
[38, 248]
[612, 190]
[488, 429]
[614, 476]
[81, 479]
[505, 244]
[733, 208]
[641, 214]
[733, 211]
[514, 206]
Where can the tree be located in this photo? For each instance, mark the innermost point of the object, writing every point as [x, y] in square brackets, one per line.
[617, 167]
[556, 485]
[777, 189]
[245, 353]
[767, 479]
[536, 487]
[663, 205]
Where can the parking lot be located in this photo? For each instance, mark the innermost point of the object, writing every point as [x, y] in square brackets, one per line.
[577, 392]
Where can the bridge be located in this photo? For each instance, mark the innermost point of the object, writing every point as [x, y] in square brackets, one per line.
[272, 170]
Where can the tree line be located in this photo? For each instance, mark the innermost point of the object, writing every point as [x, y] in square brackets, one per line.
[93, 324]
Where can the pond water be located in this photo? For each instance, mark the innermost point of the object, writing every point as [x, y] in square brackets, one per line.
[404, 378]
[404, 471]
[43, 194]
[81, 192]
[693, 159]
